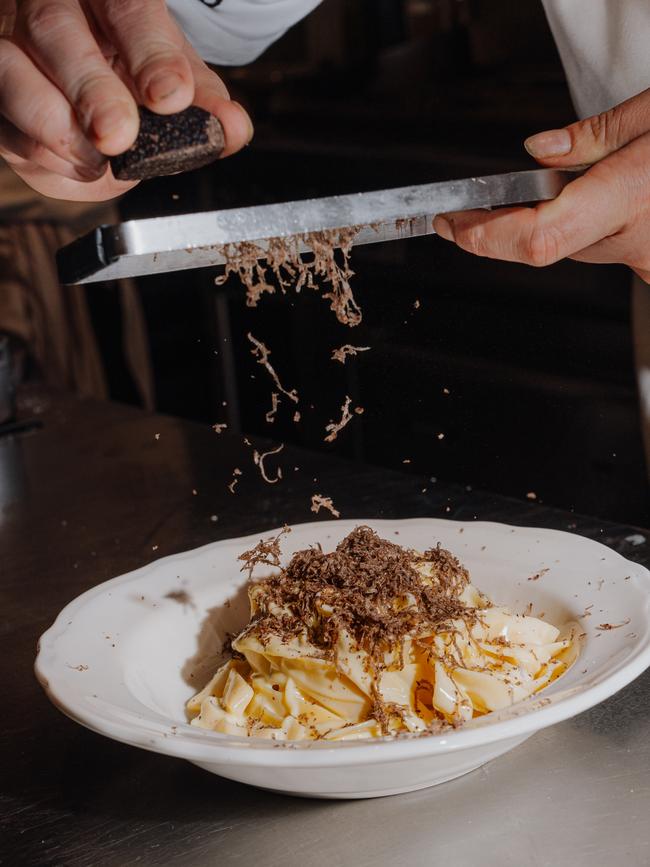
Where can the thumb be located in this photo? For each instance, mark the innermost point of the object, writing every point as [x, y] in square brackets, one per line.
[592, 139]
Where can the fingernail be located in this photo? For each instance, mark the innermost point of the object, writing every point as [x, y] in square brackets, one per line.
[251, 129]
[163, 85]
[108, 119]
[552, 143]
[443, 228]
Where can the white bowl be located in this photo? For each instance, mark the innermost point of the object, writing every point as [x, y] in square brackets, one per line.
[123, 658]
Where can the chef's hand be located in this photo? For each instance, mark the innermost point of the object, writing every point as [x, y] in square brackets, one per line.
[603, 216]
[71, 76]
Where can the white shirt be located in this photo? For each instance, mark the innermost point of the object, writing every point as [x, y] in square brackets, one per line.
[605, 49]
[235, 32]
[604, 44]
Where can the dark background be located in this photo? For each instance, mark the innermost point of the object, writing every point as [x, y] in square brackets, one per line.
[367, 94]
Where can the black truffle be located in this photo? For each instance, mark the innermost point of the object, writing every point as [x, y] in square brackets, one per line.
[170, 143]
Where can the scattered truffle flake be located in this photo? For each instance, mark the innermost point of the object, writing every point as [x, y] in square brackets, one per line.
[259, 458]
[342, 353]
[318, 502]
[262, 355]
[605, 627]
[538, 575]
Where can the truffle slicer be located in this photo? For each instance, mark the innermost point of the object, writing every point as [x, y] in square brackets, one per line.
[162, 244]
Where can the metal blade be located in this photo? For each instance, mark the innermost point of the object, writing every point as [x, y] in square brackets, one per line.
[163, 244]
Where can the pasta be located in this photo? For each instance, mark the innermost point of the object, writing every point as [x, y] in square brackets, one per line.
[371, 640]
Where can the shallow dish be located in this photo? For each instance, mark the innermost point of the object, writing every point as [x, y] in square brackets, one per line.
[123, 658]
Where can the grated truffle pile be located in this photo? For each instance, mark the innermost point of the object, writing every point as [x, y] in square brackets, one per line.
[368, 585]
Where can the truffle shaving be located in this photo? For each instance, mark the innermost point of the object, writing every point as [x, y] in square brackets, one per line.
[262, 355]
[342, 353]
[318, 502]
[359, 582]
[275, 402]
[259, 458]
[335, 428]
[283, 258]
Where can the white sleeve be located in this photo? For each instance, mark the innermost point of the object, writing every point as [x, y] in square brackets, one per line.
[234, 32]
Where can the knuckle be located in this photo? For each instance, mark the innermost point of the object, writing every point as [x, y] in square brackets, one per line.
[158, 53]
[604, 127]
[92, 88]
[472, 239]
[116, 10]
[41, 17]
[542, 247]
[120, 13]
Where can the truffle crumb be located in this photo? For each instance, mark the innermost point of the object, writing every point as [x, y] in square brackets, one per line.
[605, 627]
[318, 502]
[236, 473]
[538, 575]
[342, 353]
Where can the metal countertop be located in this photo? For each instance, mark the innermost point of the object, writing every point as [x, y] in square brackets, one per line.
[87, 497]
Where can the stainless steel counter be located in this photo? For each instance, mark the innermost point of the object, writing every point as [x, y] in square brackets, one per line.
[86, 498]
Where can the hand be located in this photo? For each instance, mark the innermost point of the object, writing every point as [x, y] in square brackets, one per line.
[71, 76]
[603, 216]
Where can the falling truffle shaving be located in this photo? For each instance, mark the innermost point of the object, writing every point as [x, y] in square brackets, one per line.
[334, 428]
[262, 355]
[347, 349]
[260, 457]
[282, 258]
[318, 502]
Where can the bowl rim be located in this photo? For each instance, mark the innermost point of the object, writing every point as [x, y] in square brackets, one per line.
[161, 734]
